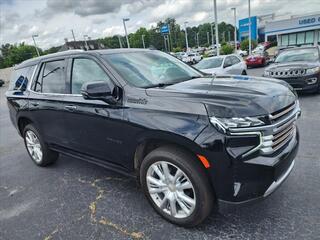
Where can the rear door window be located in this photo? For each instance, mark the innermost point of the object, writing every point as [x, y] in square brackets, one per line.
[52, 78]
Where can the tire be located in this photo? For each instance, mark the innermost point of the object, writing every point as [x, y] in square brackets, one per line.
[32, 137]
[201, 192]
[244, 72]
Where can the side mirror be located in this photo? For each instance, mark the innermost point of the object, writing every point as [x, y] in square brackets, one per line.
[98, 91]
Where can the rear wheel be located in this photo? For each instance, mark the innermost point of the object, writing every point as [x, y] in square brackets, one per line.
[177, 186]
[38, 150]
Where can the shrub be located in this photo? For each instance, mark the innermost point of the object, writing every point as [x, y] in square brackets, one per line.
[227, 49]
[245, 44]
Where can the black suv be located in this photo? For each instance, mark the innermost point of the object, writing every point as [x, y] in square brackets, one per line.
[300, 67]
[190, 139]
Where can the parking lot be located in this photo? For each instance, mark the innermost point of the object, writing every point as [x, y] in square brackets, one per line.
[73, 199]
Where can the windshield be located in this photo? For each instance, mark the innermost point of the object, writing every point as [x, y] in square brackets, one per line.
[209, 63]
[150, 68]
[296, 55]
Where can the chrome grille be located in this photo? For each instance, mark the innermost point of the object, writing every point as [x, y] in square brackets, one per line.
[288, 73]
[274, 136]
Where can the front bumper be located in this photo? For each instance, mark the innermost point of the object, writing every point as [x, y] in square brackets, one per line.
[239, 180]
[304, 83]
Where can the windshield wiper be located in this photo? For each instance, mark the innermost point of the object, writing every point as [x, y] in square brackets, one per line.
[160, 85]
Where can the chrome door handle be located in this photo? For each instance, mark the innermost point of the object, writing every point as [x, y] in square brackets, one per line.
[70, 107]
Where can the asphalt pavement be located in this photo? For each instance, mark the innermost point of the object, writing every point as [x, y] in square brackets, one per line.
[73, 199]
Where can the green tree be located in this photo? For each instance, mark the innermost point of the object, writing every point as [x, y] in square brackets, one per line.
[227, 49]
[245, 44]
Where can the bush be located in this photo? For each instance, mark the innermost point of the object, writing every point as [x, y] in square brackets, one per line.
[245, 44]
[227, 49]
[177, 49]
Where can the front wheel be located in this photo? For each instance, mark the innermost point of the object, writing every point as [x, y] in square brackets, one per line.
[177, 186]
[38, 150]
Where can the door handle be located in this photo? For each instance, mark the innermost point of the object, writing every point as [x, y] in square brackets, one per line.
[70, 107]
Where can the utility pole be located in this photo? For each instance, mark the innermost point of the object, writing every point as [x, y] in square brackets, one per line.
[35, 45]
[120, 43]
[142, 36]
[249, 25]
[74, 39]
[186, 35]
[216, 25]
[235, 28]
[212, 36]
[124, 20]
[85, 41]
[198, 39]
[208, 39]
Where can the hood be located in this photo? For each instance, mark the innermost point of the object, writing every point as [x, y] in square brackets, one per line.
[231, 96]
[294, 65]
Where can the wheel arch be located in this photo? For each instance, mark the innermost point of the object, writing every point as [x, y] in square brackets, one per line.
[22, 122]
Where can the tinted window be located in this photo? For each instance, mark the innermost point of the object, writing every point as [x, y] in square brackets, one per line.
[21, 77]
[235, 60]
[150, 68]
[53, 79]
[209, 63]
[310, 54]
[86, 70]
[227, 62]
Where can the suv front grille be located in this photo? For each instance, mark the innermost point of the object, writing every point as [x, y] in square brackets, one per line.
[282, 112]
[288, 73]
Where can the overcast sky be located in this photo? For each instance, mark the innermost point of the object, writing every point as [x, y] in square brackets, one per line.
[53, 19]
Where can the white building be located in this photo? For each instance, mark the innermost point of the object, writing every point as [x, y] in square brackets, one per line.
[295, 31]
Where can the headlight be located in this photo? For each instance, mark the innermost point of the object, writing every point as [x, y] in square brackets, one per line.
[313, 70]
[223, 124]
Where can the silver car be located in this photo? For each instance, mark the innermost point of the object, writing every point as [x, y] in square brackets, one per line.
[225, 64]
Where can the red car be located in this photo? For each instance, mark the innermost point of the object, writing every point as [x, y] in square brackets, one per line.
[257, 60]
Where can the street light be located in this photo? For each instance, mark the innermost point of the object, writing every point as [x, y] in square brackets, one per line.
[235, 27]
[85, 42]
[186, 34]
[120, 43]
[198, 39]
[249, 25]
[216, 25]
[142, 36]
[35, 45]
[124, 20]
[208, 38]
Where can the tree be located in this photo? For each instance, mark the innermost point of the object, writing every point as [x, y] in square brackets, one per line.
[227, 49]
[245, 44]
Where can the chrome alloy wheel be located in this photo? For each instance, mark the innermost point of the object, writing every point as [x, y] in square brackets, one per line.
[33, 146]
[170, 189]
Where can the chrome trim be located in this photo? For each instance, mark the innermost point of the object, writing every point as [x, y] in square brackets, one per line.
[251, 133]
[277, 183]
[280, 114]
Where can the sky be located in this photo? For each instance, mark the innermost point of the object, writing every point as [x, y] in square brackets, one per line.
[52, 20]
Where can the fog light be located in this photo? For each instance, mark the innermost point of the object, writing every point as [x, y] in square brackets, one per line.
[312, 80]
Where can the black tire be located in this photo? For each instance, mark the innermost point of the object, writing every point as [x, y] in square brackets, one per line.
[48, 156]
[194, 171]
[244, 72]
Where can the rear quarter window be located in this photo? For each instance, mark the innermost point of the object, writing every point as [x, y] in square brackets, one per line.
[20, 77]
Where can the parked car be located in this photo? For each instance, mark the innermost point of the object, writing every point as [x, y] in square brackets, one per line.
[1, 82]
[178, 55]
[191, 140]
[257, 59]
[242, 53]
[300, 67]
[191, 57]
[211, 52]
[224, 64]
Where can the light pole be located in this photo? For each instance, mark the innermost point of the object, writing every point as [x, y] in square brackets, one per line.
[186, 35]
[249, 25]
[120, 43]
[216, 25]
[212, 37]
[208, 39]
[235, 27]
[74, 38]
[142, 36]
[35, 45]
[85, 42]
[124, 20]
[198, 39]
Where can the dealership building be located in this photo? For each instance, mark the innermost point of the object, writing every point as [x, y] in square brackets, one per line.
[292, 31]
